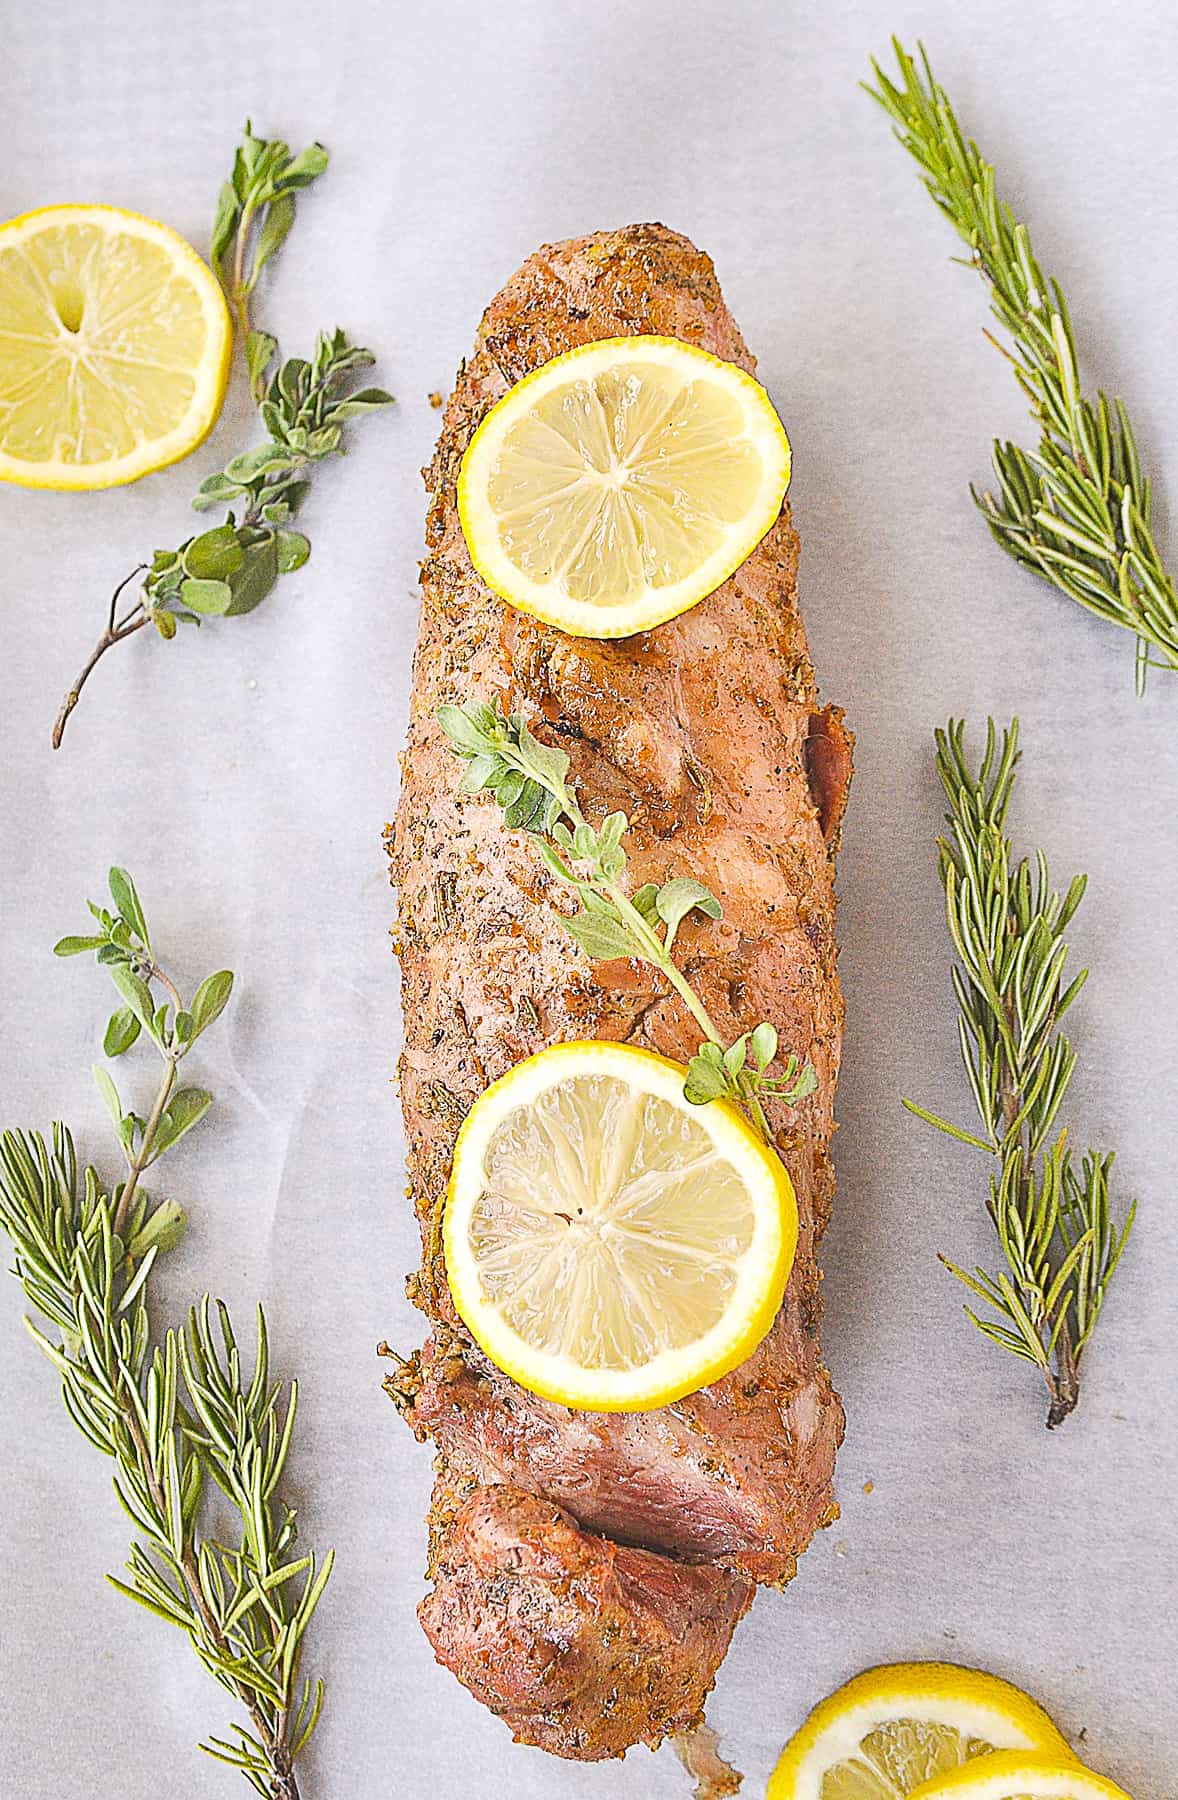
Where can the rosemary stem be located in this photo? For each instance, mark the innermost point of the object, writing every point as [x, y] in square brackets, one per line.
[284, 1785]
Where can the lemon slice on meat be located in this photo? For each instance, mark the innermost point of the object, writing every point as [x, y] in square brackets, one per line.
[619, 484]
[115, 342]
[608, 1244]
[890, 1729]
[1021, 1775]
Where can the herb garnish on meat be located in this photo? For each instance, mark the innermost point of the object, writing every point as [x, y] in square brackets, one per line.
[529, 780]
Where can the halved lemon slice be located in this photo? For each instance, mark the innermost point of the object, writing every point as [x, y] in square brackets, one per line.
[621, 483]
[1021, 1775]
[610, 1245]
[890, 1729]
[115, 342]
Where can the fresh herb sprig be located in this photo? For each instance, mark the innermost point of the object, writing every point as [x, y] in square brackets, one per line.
[529, 779]
[303, 404]
[175, 1411]
[1059, 1244]
[1077, 510]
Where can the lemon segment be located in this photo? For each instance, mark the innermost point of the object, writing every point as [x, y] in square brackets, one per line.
[608, 1244]
[115, 343]
[621, 483]
[891, 1729]
[1022, 1775]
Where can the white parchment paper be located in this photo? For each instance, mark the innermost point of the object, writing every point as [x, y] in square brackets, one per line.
[245, 773]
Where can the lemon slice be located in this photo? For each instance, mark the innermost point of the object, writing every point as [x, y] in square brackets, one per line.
[621, 483]
[610, 1245]
[1021, 1775]
[892, 1728]
[114, 347]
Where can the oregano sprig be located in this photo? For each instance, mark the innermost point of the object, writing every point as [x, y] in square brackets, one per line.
[175, 1411]
[529, 779]
[304, 406]
[1058, 1242]
[255, 211]
[1076, 510]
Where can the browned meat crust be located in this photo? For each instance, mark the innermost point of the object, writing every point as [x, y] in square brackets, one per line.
[708, 732]
[584, 1646]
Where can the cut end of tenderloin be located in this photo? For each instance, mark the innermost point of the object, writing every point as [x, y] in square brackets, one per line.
[584, 1646]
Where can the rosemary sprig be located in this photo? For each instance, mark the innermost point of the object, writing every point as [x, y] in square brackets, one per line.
[1054, 1228]
[530, 781]
[169, 1412]
[303, 405]
[1077, 509]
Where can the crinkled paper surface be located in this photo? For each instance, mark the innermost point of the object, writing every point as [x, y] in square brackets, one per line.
[244, 773]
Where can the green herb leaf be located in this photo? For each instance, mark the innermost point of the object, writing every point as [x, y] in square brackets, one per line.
[207, 596]
[137, 994]
[256, 577]
[76, 946]
[763, 1045]
[121, 1032]
[110, 1094]
[676, 899]
[645, 901]
[275, 231]
[600, 937]
[225, 221]
[122, 892]
[365, 401]
[162, 1230]
[705, 1082]
[305, 168]
[466, 731]
[210, 1000]
[213, 556]
[292, 551]
[259, 349]
[185, 1109]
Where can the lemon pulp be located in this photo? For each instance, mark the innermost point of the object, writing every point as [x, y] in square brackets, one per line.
[898, 1757]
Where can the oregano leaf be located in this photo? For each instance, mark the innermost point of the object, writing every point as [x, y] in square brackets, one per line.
[600, 937]
[210, 1000]
[121, 1031]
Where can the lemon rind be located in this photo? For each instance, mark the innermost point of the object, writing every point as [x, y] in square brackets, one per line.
[580, 618]
[208, 398]
[1006, 1772]
[754, 1308]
